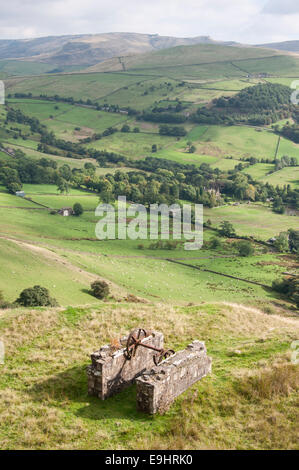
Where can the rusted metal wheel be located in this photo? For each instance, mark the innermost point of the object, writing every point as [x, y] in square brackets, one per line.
[134, 339]
[158, 358]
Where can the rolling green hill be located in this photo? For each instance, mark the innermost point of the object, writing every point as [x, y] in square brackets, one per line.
[184, 56]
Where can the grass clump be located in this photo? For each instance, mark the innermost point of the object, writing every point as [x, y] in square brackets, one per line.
[279, 380]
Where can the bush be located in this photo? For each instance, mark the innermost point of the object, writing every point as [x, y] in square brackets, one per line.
[78, 209]
[245, 248]
[282, 242]
[100, 289]
[125, 128]
[215, 243]
[36, 296]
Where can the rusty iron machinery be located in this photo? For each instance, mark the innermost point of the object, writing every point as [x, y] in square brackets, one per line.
[135, 339]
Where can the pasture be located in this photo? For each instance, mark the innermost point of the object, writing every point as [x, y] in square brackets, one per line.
[255, 220]
[145, 272]
[133, 145]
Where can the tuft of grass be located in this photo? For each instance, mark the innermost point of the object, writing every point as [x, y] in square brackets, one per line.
[272, 382]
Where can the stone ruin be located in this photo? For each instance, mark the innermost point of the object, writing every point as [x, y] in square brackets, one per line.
[112, 370]
[158, 387]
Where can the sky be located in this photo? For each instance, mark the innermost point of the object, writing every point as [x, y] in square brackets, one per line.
[245, 21]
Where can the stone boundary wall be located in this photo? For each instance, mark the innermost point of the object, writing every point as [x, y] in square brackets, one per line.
[158, 387]
[110, 371]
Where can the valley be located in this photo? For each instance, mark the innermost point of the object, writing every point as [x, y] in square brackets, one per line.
[158, 126]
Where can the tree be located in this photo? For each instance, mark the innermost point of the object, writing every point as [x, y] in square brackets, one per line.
[62, 186]
[99, 289]
[154, 148]
[215, 243]
[13, 187]
[190, 147]
[282, 242]
[36, 296]
[245, 248]
[227, 229]
[78, 209]
[278, 206]
[288, 287]
[294, 240]
[125, 128]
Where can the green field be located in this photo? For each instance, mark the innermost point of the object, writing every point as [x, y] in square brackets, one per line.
[77, 85]
[132, 145]
[65, 119]
[288, 175]
[252, 220]
[119, 260]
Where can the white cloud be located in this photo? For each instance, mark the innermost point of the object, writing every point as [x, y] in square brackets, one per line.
[278, 7]
[247, 21]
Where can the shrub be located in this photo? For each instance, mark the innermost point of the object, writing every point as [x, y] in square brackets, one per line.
[215, 243]
[245, 248]
[78, 209]
[125, 128]
[36, 296]
[100, 289]
[282, 242]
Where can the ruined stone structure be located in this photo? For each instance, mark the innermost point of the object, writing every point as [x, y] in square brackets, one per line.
[111, 371]
[160, 385]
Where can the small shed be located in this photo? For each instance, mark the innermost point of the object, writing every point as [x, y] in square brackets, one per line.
[66, 211]
[20, 193]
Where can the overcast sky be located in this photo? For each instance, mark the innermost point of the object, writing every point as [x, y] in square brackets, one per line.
[247, 21]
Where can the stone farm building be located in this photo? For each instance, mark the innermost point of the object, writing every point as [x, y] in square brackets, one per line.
[66, 211]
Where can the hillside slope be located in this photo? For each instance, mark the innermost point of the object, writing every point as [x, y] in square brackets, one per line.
[183, 55]
[90, 48]
[290, 46]
[248, 402]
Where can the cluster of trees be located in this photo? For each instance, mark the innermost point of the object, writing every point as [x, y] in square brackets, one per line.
[285, 161]
[177, 108]
[288, 287]
[291, 132]
[262, 104]
[167, 118]
[175, 131]
[163, 186]
[22, 169]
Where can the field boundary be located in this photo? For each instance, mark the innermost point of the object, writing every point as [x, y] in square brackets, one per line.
[220, 274]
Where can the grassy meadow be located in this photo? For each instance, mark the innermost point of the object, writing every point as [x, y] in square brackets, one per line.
[248, 402]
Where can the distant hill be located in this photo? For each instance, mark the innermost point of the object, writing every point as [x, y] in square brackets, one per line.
[90, 49]
[197, 54]
[289, 46]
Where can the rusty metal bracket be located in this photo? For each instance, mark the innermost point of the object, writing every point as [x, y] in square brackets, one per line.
[135, 339]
